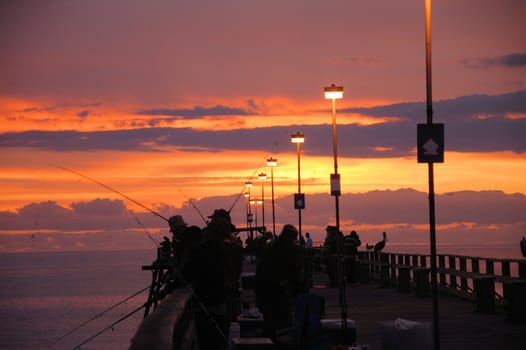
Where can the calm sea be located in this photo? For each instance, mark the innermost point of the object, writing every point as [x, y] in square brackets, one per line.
[46, 295]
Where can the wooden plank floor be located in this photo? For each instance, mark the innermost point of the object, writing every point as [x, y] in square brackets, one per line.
[461, 327]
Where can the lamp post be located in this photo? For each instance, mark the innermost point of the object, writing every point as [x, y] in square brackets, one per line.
[255, 202]
[333, 93]
[299, 198]
[272, 162]
[248, 185]
[262, 177]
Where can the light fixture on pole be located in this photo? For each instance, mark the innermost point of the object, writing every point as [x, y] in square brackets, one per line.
[299, 198]
[248, 185]
[272, 162]
[262, 177]
[334, 93]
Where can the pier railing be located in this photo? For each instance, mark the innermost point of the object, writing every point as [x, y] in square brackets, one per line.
[490, 282]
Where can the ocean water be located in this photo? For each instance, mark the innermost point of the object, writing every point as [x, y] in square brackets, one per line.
[44, 296]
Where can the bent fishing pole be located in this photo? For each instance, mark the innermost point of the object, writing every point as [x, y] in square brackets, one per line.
[109, 188]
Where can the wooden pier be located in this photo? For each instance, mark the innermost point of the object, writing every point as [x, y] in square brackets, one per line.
[472, 314]
[381, 288]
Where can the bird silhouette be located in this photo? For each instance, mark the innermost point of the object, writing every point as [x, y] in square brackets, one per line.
[369, 246]
[381, 244]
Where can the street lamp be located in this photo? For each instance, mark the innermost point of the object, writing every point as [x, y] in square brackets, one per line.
[248, 186]
[255, 203]
[272, 162]
[262, 177]
[333, 93]
[299, 198]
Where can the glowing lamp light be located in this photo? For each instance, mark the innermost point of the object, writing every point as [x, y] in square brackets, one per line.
[297, 138]
[333, 92]
[272, 162]
[262, 176]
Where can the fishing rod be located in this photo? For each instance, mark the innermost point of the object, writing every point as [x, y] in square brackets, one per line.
[144, 228]
[243, 190]
[111, 326]
[99, 315]
[193, 206]
[109, 188]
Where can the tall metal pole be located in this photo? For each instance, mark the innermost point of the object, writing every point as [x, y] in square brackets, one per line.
[299, 191]
[432, 229]
[336, 194]
[273, 205]
[262, 177]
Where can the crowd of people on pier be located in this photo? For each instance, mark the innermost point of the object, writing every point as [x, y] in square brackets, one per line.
[210, 260]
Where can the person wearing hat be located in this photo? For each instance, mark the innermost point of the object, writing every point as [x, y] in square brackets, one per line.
[217, 269]
[185, 242]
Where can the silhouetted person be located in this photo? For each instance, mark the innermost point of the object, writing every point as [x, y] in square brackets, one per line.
[351, 243]
[261, 242]
[279, 278]
[332, 247]
[216, 273]
[308, 242]
[185, 242]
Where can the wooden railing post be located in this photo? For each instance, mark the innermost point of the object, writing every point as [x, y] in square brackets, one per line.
[452, 277]
[423, 261]
[463, 279]
[475, 267]
[442, 266]
[490, 266]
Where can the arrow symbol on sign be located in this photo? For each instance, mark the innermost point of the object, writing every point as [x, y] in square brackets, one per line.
[430, 147]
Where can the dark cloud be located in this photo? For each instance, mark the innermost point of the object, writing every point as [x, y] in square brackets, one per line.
[476, 123]
[460, 108]
[83, 114]
[403, 206]
[196, 112]
[512, 60]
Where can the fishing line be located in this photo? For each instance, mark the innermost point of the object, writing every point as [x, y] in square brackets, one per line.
[243, 189]
[99, 315]
[196, 299]
[108, 327]
[193, 205]
[109, 188]
[145, 230]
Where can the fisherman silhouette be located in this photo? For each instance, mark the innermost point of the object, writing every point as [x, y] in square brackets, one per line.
[185, 242]
[216, 270]
[279, 279]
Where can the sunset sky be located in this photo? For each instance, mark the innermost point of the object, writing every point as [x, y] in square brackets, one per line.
[177, 103]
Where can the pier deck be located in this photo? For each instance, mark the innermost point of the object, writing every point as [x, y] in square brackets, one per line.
[461, 327]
